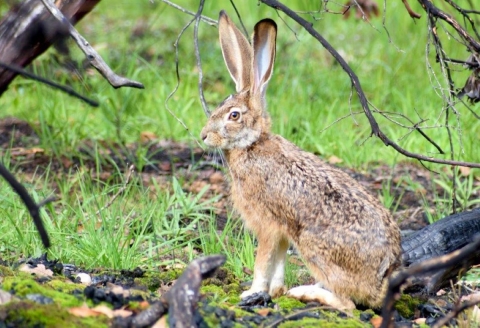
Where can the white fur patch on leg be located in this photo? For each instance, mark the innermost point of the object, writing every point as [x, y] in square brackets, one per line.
[314, 293]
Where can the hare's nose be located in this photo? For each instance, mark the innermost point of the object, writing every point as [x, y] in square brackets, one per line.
[203, 135]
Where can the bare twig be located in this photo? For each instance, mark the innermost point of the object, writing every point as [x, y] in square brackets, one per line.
[33, 209]
[472, 44]
[93, 57]
[63, 88]
[459, 307]
[410, 11]
[376, 131]
[427, 266]
[199, 60]
[240, 19]
[206, 19]
[128, 177]
[177, 72]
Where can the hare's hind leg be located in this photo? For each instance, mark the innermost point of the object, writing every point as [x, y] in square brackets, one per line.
[316, 293]
[269, 270]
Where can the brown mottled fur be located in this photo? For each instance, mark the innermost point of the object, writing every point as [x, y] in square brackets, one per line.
[346, 237]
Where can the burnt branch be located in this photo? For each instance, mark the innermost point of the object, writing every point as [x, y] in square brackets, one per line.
[375, 129]
[33, 208]
[93, 57]
[425, 267]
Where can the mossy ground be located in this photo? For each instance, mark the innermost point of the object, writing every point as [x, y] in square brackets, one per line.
[220, 296]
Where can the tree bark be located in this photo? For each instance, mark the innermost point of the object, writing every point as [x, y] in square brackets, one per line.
[28, 29]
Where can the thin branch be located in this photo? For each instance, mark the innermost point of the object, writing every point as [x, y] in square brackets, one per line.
[410, 11]
[33, 209]
[206, 19]
[460, 307]
[472, 44]
[199, 60]
[427, 266]
[128, 176]
[177, 73]
[93, 57]
[376, 131]
[63, 88]
[240, 19]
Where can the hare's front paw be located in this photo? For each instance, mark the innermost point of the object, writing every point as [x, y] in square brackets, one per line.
[315, 293]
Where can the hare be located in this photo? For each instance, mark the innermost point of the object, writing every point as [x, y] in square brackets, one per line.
[348, 240]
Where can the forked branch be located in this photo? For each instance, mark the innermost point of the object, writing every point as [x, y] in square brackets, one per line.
[361, 95]
[93, 57]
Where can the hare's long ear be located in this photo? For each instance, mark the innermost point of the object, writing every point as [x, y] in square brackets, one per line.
[236, 51]
[264, 38]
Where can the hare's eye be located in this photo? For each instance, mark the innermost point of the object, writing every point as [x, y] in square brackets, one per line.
[234, 116]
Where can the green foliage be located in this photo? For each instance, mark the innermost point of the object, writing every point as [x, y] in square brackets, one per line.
[307, 93]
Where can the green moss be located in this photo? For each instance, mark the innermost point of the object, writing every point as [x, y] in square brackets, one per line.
[406, 305]
[312, 322]
[21, 286]
[153, 280]
[289, 303]
[5, 271]
[30, 314]
[64, 285]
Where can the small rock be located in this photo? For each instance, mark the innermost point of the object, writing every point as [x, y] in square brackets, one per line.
[83, 278]
[5, 296]
[40, 299]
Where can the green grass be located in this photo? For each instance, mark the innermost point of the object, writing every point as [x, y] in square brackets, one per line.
[307, 93]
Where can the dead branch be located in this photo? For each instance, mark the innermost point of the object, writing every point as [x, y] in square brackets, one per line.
[410, 11]
[376, 131]
[28, 30]
[205, 19]
[93, 57]
[181, 300]
[459, 308]
[33, 208]
[199, 60]
[428, 266]
[63, 88]
[471, 43]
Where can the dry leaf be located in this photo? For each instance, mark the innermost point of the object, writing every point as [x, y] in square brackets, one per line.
[247, 271]
[334, 160]
[40, 270]
[420, 321]
[264, 312]
[5, 296]
[465, 171]
[122, 313]
[25, 151]
[376, 322]
[475, 314]
[441, 292]
[104, 310]
[147, 136]
[161, 323]
[474, 297]
[84, 311]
